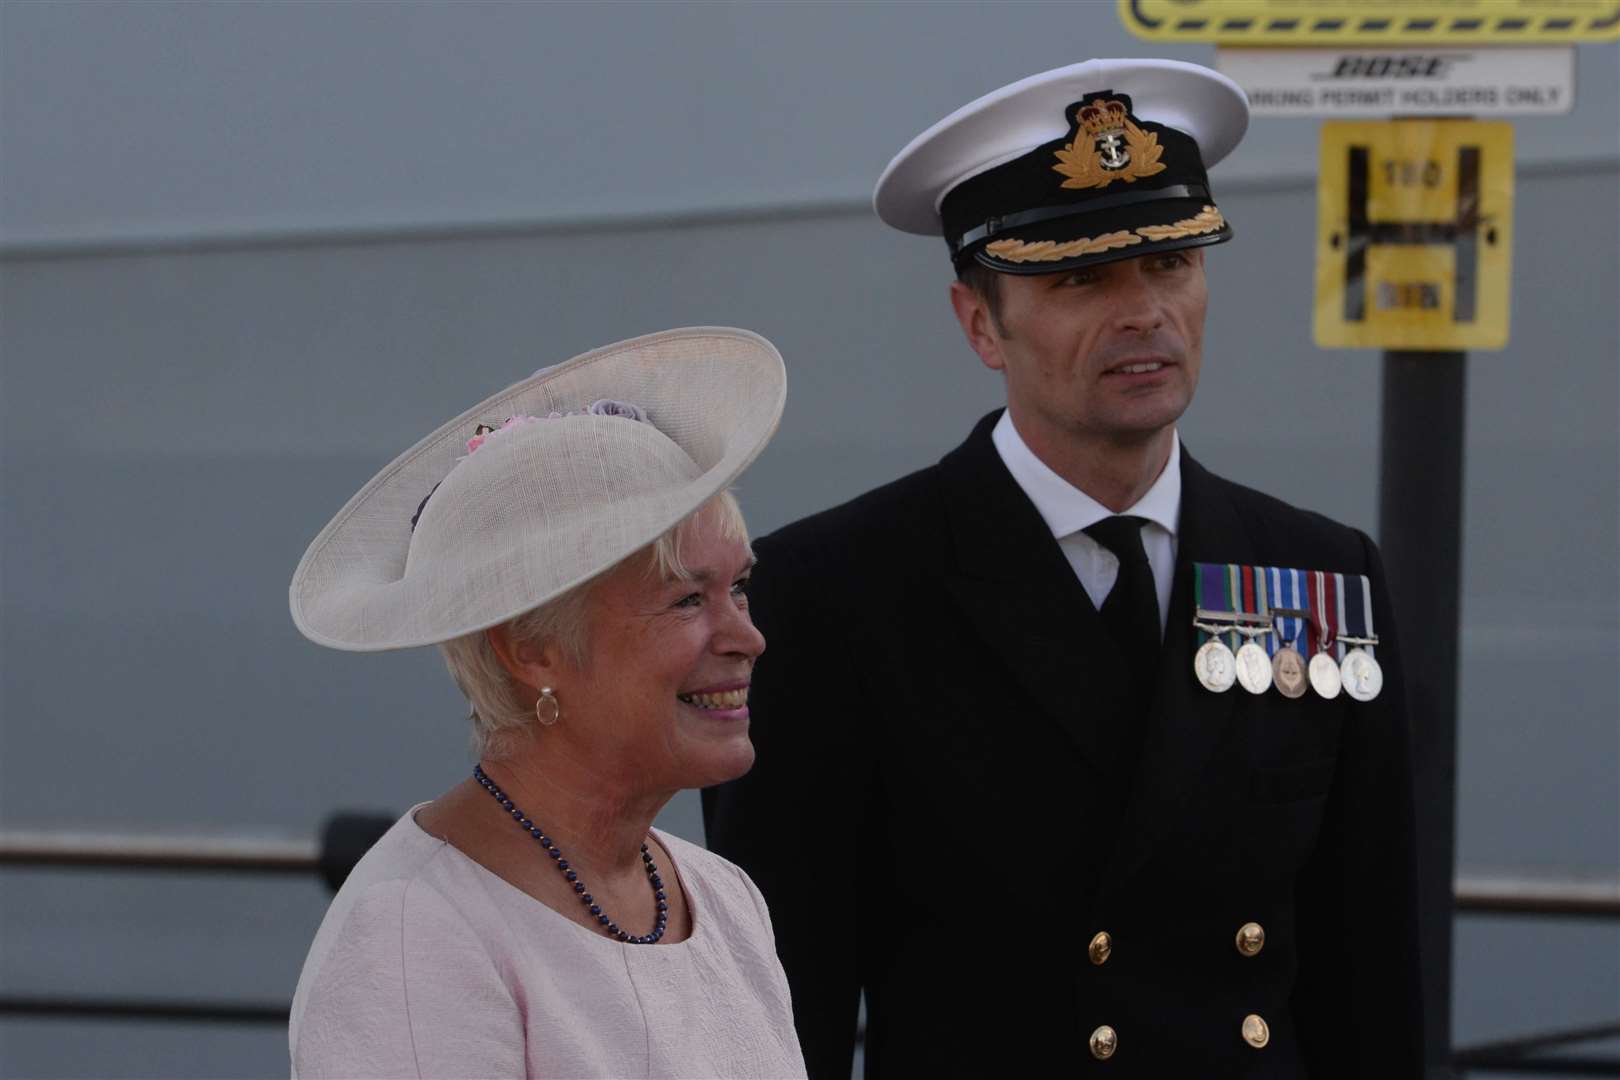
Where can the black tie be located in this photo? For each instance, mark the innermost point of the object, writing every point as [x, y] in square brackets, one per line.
[1131, 610]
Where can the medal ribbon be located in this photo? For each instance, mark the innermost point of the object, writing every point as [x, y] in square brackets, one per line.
[1234, 592]
[1255, 599]
[1356, 601]
[1234, 596]
[1241, 595]
[1324, 607]
[1338, 605]
[1240, 588]
[1286, 592]
[1338, 610]
[1214, 591]
[1225, 588]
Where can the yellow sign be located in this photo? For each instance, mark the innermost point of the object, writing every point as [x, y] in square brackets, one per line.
[1414, 237]
[1373, 22]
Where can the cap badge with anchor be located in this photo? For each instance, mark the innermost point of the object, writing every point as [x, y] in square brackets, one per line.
[1113, 147]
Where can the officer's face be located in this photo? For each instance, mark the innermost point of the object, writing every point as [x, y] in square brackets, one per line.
[1106, 354]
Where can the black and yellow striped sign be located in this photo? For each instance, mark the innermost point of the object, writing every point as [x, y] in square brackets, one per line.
[1373, 22]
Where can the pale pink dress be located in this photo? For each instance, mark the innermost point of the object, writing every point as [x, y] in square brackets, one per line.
[429, 965]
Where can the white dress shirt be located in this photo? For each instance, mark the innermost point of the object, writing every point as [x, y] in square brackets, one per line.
[1067, 511]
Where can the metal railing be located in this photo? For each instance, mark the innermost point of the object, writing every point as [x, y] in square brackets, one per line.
[343, 840]
[1479, 894]
[1527, 1054]
[251, 854]
[347, 836]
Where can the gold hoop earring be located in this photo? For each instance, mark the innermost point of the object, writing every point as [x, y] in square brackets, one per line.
[547, 709]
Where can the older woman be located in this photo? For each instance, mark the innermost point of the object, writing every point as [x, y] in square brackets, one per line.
[571, 546]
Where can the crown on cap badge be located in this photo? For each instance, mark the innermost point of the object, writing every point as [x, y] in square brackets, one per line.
[1113, 147]
[1103, 118]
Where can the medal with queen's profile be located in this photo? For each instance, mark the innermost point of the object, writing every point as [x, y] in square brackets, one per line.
[1253, 668]
[1362, 676]
[1215, 667]
[1288, 672]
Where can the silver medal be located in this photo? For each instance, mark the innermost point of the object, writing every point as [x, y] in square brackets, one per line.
[1253, 668]
[1325, 676]
[1288, 672]
[1215, 666]
[1361, 675]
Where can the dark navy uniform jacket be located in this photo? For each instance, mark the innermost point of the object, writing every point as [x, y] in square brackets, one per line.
[954, 796]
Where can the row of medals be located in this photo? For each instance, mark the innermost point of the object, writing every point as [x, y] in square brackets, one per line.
[1218, 668]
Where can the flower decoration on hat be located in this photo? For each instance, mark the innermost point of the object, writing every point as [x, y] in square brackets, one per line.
[484, 432]
[609, 407]
[604, 407]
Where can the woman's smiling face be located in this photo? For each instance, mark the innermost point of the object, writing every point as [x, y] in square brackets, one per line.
[661, 701]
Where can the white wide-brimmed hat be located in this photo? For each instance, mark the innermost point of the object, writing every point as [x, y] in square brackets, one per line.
[447, 540]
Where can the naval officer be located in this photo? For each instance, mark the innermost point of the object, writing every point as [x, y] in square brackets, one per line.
[994, 792]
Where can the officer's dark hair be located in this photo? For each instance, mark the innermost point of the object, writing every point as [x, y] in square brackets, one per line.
[987, 283]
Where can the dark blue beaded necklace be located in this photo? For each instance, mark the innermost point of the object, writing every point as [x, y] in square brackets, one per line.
[607, 924]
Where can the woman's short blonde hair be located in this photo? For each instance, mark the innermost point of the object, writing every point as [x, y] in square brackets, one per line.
[500, 710]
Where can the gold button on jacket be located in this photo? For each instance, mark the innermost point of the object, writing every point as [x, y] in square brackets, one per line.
[1251, 938]
[1104, 1042]
[1255, 1031]
[1102, 946]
